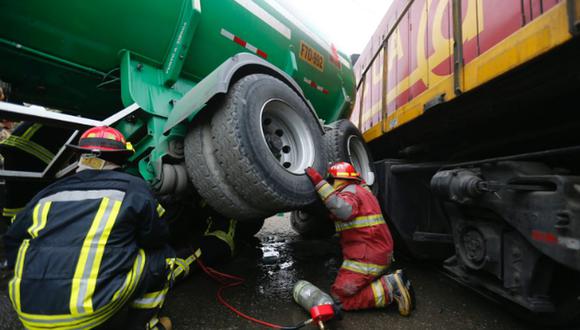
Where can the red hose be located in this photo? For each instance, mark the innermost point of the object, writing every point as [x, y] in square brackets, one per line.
[230, 281]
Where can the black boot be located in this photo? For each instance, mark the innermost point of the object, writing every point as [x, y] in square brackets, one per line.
[401, 290]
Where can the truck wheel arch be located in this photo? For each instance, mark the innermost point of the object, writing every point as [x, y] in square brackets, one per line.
[219, 82]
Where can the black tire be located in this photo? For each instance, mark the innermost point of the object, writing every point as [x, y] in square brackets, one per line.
[209, 179]
[256, 108]
[344, 143]
[314, 223]
[340, 139]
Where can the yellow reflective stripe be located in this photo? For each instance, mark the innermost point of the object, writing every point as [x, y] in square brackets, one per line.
[39, 218]
[228, 237]
[160, 210]
[360, 222]
[182, 267]
[82, 263]
[30, 147]
[190, 260]
[11, 212]
[14, 288]
[378, 293]
[34, 220]
[90, 320]
[232, 228]
[364, 268]
[347, 174]
[325, 190]
[85, 277]
[151, 300]
[152, 323]
[224, 237]
[102, 243]
[31, 131]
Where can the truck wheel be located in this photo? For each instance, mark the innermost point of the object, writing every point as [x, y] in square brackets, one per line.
[312, 224]
[345, 143]
[209, 179]
[265, 136]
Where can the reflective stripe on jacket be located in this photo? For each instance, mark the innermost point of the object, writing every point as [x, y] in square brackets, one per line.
[30, 147]
[367, 245]
[22, 139]
[81, 242]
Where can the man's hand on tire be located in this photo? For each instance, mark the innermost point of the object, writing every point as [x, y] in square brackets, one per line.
[313, 175]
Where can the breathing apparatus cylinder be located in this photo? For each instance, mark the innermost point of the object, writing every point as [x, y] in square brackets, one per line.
[317, 302]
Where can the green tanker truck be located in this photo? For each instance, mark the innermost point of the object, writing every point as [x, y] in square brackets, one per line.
[232, 97]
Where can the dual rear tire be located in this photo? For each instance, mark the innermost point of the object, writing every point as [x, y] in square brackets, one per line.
[247, 157]
[344, 143]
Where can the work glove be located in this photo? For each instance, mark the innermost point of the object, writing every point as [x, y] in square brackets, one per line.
[313, 175]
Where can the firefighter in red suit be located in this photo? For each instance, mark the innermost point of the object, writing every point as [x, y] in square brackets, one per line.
[367, 245]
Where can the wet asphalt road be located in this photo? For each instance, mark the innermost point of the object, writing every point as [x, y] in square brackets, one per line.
[267, 292]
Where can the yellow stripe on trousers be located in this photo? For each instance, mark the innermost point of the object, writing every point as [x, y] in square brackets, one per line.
[88, 321]
[379, 293]
[14, 286]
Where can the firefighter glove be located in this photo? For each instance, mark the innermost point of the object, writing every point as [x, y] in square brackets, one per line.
[313, 175]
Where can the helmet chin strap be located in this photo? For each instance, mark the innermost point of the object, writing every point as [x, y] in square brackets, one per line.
[92, 162]
[337, 183]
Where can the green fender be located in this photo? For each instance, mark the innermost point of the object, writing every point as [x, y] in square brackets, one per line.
[219, 82]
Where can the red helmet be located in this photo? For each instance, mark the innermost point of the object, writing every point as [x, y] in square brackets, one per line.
[104, 140]
[343, 170]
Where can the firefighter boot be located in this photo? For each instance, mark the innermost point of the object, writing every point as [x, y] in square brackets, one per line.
[166, 323]
[401, 290]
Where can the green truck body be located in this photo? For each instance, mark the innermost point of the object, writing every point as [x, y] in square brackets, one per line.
[94, 58]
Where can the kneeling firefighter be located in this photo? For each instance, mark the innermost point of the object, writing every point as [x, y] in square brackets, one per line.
[212, 237]
[91, 244]
[367, 245]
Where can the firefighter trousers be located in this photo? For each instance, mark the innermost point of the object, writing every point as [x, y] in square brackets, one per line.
[163, 269]
[360, 291]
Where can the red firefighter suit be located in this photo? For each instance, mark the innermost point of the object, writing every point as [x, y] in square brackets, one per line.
[367, 246]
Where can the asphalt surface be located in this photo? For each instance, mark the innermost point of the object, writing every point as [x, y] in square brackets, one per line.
[267, 292]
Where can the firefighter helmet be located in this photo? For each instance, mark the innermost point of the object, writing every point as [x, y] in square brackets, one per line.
[343, 170]
[104, 140]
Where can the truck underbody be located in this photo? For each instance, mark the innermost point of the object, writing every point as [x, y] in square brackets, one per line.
[490, 186]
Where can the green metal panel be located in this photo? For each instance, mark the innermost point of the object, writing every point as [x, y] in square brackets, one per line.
[89, 56]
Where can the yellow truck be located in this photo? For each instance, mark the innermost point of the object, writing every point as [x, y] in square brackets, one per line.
[470, 108]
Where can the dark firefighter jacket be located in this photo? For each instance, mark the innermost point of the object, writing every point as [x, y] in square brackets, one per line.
[79, 248]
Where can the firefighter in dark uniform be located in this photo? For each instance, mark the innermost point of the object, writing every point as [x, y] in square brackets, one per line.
[91, 244]
[212, 237]
[29, 147]
[366, 242]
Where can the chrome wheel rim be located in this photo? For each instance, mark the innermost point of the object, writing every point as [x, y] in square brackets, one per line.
[287, 136]
[359, 158]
